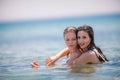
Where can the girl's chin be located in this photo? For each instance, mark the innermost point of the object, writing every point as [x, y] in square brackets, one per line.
[81, 47]
[71, 48]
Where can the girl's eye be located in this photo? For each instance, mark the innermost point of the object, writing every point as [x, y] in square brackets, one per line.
[84, 37]
[67, 39]
[73, 39]
[78, 37]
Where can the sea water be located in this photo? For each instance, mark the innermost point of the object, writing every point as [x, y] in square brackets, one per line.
[25, 41]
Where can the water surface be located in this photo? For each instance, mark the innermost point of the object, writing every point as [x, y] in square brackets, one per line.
[23, 42]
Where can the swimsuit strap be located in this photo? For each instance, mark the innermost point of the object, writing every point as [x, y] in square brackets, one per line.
[101, 59]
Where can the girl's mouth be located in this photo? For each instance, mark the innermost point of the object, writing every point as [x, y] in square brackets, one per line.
[82, 44]
[71, 45]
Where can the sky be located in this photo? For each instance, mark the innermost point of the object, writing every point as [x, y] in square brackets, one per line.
[19, 10]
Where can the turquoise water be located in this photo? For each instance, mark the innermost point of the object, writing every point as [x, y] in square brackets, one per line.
[23, 42]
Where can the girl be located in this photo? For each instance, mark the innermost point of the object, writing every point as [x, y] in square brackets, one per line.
[70, 39]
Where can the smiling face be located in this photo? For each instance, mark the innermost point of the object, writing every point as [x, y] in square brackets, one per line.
[70, 40]
[83, 40]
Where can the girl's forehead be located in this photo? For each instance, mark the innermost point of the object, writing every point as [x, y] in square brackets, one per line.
[82, 32]
[70, 32]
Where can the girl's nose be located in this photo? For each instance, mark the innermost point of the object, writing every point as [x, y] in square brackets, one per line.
[70, 42]
[80, 40]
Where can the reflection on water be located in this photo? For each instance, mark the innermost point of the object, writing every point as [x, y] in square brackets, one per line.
[89, 68]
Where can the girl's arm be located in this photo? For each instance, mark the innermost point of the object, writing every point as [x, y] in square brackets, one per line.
[53, 59]
[86, 58]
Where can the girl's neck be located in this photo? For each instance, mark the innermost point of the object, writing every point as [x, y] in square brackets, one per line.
[85, 49]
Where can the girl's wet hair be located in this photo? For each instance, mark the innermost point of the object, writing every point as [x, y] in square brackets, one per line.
[70, 29]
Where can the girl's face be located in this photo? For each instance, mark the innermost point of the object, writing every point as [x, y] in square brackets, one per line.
[83, 40]
[70, 40]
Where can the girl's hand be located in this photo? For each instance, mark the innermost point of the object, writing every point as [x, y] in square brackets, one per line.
[35, 64]
[50, 60]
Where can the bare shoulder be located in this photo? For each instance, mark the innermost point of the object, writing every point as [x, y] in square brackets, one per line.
[87, 57]
[90, 56]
